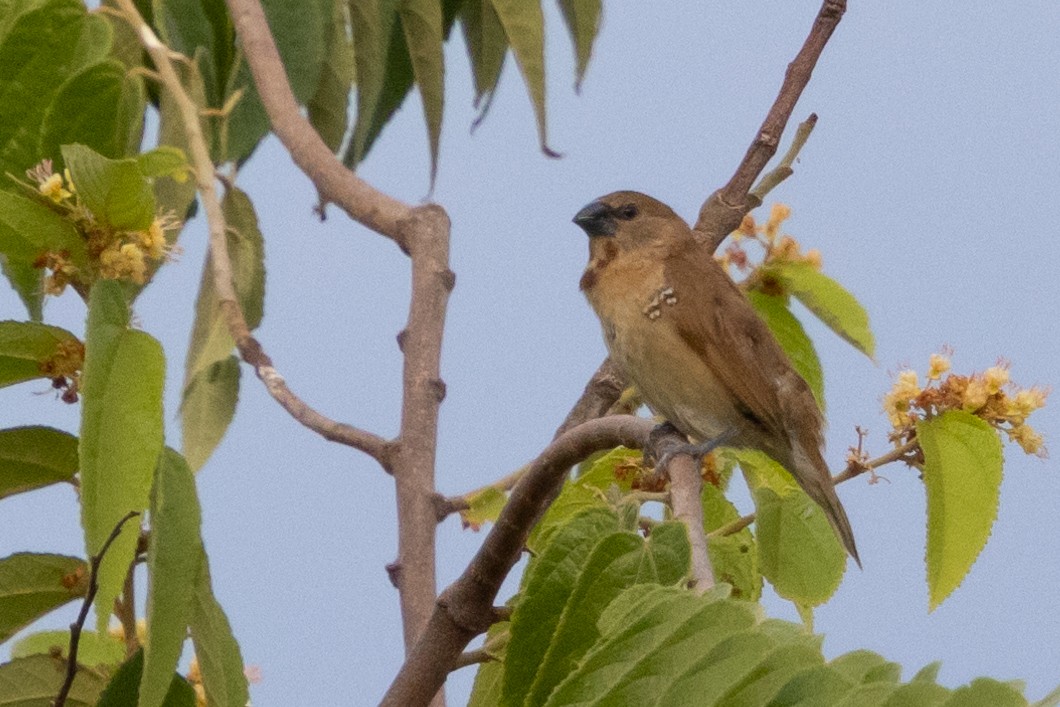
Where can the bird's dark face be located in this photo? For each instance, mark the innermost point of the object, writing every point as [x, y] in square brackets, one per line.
[632, 219]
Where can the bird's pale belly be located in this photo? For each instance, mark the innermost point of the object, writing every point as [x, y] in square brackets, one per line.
[672, 379]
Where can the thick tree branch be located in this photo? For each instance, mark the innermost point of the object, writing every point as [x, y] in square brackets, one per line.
[249, 348]
[465, 608]
[334, 182]
[725, 208]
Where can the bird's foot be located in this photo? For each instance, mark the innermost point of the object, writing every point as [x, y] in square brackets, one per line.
[666, 438]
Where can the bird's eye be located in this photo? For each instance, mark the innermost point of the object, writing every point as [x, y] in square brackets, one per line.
[628, 212]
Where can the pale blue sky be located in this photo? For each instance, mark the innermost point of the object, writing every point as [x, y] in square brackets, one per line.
[929, 185]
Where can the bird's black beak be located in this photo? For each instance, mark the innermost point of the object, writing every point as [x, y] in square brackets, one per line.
[596, 219]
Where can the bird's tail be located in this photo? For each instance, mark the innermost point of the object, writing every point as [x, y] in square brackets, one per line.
[817, 483]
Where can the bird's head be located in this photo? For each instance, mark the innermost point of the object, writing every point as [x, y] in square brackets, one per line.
[632, 222]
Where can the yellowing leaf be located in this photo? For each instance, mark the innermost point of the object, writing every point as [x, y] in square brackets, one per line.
[962, 474]
[484, 507]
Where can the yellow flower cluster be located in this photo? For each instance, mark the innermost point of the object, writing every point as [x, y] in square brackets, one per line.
[126, 257]
[777, 247]
[990, 395]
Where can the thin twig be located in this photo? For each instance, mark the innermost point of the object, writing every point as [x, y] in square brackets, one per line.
[782, 171]
[77, 626]
[249, 348]
[722, 212]
[854, 468]
[125, 608]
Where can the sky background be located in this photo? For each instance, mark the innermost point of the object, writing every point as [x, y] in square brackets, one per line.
[930, 185]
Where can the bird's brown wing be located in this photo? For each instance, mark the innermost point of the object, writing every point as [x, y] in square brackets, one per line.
[717, 321]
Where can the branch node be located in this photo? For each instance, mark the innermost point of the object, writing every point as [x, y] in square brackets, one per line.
[438, 388]
[393, 571]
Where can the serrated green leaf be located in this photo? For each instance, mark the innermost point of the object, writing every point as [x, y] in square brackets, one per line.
[583, 23]
[618, 561]
[524, 24]
[868, 695]
[635, 662]
[421, 21]
[220, 661]
[572, 500]
[123, 688]
[42, 47]
[816, 685]
[30, 350]
[208, 408]
[29, 229]
[115, 191]
[917, 694]
[121, 433]
[798, 552]
[929, 673]
[487, 46]
[86, 110]
[962, 475]
[831, 302]
[174, 560]
[793, 339]
[33, 584]
[210, 379]
[734, 558]
[863, 666]
[93, 649]
[986, 692]
[710, 677]
[329, 106]
[486, 690]
[549, 580]
[34, 457]
[35, 681]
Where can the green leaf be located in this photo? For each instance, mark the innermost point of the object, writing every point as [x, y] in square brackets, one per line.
[864, 666]
[483, 507]
[918, 694]
[85, 110]
[635, 660]
[200, 29]
[421, 21]
[524, 24]
[165, 161]
[300, 30]
[583, 23]
[618, 561]
[487, 45]
[798, 551]
[486, 691]
[984, 692]
[44, 45]
[329, 106]
[31, 585]
[30, 350]
[93, 649]
[121, 433]
[615, 468]
[35, 681]
[210, 379]
[34, 457]
[572, 500]
[962, 475]
[734, 558]
[208, 408]
[175, 196]
[384, 72]
[123, 688]
[550, 579]
[793, 339]
[174, 561]
[116, 191]
[220, 661]
[929, 673]
[29, 229]
[28, 282]
[830, 301]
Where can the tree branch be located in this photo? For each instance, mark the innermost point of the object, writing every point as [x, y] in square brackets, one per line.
[465, 608]
[249, 348]
[334, 182]
[725, 208]
[77, 626]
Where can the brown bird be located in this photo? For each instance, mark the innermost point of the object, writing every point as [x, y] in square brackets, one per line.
[694, 347]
